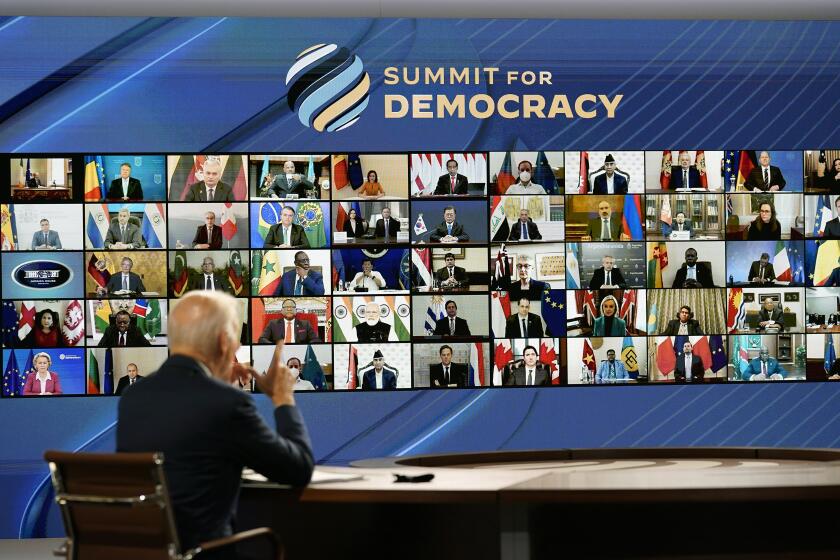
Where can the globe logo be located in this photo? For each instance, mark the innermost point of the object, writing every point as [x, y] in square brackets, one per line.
[328, 87]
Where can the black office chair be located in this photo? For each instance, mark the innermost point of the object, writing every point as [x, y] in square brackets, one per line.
[116, 505]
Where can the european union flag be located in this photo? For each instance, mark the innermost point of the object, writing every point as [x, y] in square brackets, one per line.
[554, 312]
[730, 170]
[544, 175]
[719, 360]
[354, 171]
[830, 356]
[9, 328]
[11, 377]
[108, 382]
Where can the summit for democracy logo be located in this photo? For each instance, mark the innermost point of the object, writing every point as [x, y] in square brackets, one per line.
[328, 87]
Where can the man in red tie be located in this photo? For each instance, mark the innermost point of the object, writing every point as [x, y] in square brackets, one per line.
[290, 329]
[453, 182]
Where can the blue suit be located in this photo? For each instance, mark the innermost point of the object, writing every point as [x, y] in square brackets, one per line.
[773, 367]
[834, 279]
[619, 184]
[603, 374]
[389, 380]
[52, 239]
[312, 286]
[667, 229]
[677, 178]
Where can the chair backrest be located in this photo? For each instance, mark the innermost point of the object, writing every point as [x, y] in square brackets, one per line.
[114, 505]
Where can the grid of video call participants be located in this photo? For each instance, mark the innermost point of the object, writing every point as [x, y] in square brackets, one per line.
[428, 270]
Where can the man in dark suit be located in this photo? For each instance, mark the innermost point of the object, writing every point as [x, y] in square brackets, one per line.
[765, 177]
[386, 224]
[605, 227]
[761, 271]
[372, 330]
[453, 182]
[684, 324]
[449, 231]
[451, 325]
[771, 315]
[124, 280]
[679, 224]
[123, 235]
[523, 324]
[290, 329]
[211, 189]
[379, 376]
[834, 278]
[524, 229]
[446, 373]
[285, 234]
[689, 368]
[206, 429]
[209, 279]
[34, 181]
[122, 333]
[451, 276]
[125, 187]
[609, 182]
[608, 276]
[208, 236]
[286, 183]
[831, 230]
[693, 274]
[530, 372]
[302, 281]
[685, 175]
[128, 380]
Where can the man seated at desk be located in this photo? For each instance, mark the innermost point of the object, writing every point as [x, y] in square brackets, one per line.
[286, 183]
[524, 229]
[453, 182]
[379, 376]
[208, 236]
[679, 224]
[208, 279]
[530, 372]
[289, 329]
[611, 370]
[45, 239]
[761, 271]
[123, 235]
[523, 324]
[693, 274]
[449, 231]
[447, 373]
[764, 367]
[124, 282]
[34, 181]
[684, 324]
[372, 330]
[451, 325]
[771, 315]
[685, 175]
[386, 227]
[368, 280]
[451, 276]
[285, 234]
[608, 276]
[605, 227]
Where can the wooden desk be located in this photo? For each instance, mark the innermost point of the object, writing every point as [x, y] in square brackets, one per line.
[48, 193]
[536, 504]
[470, 288]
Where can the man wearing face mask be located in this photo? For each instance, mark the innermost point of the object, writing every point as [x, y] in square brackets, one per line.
[453, 182]
[302, 281]
[372, 330]
[609, 182]
[524, 185]
[679, 224]
[300, 384]
[286, 183]
[764, 367]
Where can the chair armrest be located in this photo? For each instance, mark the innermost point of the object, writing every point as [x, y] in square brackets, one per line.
[236, 538]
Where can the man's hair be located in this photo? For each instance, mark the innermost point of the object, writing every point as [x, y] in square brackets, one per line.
[447, 255]
[523, 298]
[199, 325]
[532, 348]
[445, 305]
[125, 164]
[293, 358]
[288, 208]
[131, 262]
[452, 160]
[764, 256]
[213, 163]
[132, 363]
[367, 259]
[444, 347]
[122, 312]
[43, 220]
[450, 208]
